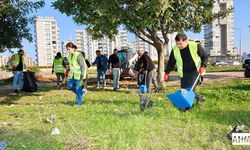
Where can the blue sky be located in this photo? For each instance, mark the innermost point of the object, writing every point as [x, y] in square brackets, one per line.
[67, 26]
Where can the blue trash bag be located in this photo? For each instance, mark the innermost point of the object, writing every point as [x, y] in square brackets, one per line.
[143, 89]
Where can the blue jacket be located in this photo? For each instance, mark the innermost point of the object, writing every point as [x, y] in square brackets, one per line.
[101, 62]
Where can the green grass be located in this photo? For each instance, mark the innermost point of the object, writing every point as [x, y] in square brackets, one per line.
[112, 120]
[211, 68]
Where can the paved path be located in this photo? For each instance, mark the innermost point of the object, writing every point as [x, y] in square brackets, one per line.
[210, 77]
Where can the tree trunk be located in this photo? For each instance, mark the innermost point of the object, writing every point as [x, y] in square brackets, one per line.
[161, 49]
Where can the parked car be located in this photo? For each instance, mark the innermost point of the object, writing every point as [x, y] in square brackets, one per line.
[220, 63]
[246, 65]
[234, 63]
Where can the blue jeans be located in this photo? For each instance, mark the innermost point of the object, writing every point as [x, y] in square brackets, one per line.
[99, 74]
[116, 77]
[76, 87]
[17, 80]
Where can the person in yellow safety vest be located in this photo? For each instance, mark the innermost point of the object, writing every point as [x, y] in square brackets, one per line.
[77, 73]
[59, 68]
[17, 63]
[190, 59]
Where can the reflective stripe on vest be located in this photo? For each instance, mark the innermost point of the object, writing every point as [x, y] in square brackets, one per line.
[16, 60]
[58, 67]
[75, 69]
[193, 51]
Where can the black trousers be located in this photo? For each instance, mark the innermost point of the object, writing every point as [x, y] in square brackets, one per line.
[188, 80]
[58, 75]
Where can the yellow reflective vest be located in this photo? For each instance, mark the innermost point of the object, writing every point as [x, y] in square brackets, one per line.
[16, 59]
[75, 68]
[58, 65]
[193, 51]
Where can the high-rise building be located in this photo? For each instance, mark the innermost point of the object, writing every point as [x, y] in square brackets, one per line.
[47, 40]
[87, 44]
[219, 36]
[121, 40]
[4, 60]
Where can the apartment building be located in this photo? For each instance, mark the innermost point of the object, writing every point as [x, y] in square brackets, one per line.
[47, 40]
[219, 36]
[87, 44]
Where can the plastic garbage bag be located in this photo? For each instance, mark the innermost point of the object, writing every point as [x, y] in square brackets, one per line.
[4, 144]
[55, 131]
[51, 119]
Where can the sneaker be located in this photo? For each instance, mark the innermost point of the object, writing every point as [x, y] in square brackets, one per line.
[84, 91]
[187, 110]
[97, 87]
[105, 87]
[16, 91]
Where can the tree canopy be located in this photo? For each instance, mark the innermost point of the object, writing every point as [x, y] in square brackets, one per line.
[14, 19]
[144, 18]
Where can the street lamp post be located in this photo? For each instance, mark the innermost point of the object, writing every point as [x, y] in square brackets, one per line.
[239, 41]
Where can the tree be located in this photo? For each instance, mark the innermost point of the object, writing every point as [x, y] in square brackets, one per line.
[141, 17]
[14, 19]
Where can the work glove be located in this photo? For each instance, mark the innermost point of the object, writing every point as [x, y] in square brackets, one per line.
[166, 77]
[201, 70]
[66, 73]
[14, 68]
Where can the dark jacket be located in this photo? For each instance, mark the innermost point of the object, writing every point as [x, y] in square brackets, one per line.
[144, 63]
[114, 61]
[188, 62]
[101, 62]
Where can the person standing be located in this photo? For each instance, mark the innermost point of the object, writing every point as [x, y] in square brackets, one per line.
[101, 62]
[17, 63]
[77, 73]
[147, 70]
[59, 68]
[190, 59]
[115, 65]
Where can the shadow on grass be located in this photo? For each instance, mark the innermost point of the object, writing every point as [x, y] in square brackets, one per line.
[8, 97]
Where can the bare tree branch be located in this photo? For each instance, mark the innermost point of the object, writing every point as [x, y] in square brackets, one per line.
[154, 36]
[146, 34]
[137, 34]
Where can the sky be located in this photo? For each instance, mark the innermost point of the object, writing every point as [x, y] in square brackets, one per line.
[68, 27]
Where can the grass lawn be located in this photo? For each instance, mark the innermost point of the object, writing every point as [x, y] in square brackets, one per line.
[211, 68]
[112, 120]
